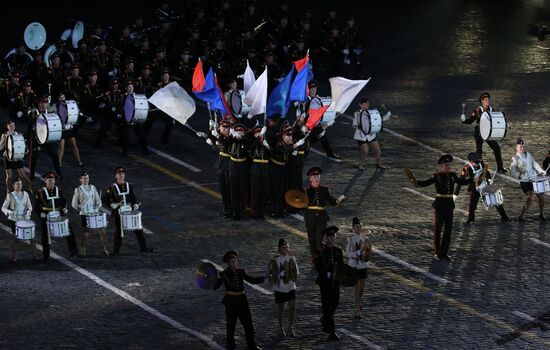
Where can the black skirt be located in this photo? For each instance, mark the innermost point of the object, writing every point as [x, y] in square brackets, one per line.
[360, 273]
[14, 165]
[281, 298]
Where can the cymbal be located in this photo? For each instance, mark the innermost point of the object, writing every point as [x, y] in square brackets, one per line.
[207, 275]
[296, 199]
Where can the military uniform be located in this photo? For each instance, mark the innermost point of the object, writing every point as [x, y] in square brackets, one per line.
[91, 97]
[238, 172]
[125, 126]
[44, 206]
[235, 301]
[73, 84]
[222, 166]
[111, 111]
[259, 171]
[55, 75]
[277, 170]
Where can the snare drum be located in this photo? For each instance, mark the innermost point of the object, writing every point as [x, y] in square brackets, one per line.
[25, 229]
[95, 221]
[237, 105]
[541, 184]
[124, 209]
[15, 147]
[53, 215]
[48, 128]
[136, 108]
[58, 228]
[68, 111]
[493, 198]
[375, 123]
[493, 126]
[131, 220]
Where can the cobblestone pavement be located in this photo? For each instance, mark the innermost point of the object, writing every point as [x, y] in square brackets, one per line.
[497, 280]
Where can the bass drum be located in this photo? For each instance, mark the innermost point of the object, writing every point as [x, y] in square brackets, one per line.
[48, 128]
[136, 108]
[15, 147]
[237, 104]
[493, 126]
[68, 111]
[375, 121]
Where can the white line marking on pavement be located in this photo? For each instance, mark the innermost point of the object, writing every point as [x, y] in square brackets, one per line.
[397, 260]
[430, 198]
[538, 241]
[324, 155]
[530, 319]
[258, 288]
[127, 296]
[177, 186]
[361, 339]
[175, 160]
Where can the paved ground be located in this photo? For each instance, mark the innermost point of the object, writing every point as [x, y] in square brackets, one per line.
[483, 299]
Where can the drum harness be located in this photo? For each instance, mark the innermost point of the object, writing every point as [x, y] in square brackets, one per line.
[123, 194]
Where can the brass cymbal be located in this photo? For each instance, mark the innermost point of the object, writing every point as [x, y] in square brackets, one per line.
[207, 275]
[296, 199]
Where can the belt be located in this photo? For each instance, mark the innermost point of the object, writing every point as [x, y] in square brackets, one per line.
[228, 292]
[277, 162]
[316, 208]
[238, 159]
[223, 154]
[48, 208]
[264, 161]
[301, 152]
[440, 195]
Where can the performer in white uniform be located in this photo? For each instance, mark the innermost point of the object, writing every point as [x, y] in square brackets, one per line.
[285, 292]
[364, 140]
[354, 248]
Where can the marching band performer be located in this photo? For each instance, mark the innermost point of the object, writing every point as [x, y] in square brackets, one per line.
[69, 134]
[238, 170]
[9, 164]
[546, 162]
[316, 216]
[364, 140]
[17, 206]
[478, 171]
[444, 203]
[524, 168]
[43, 206]
[285, 292]
[259, 171]
[222, 143]
[86, 201]
[330, 257]
[125, 125]
[111, 111]
[235, 301]
[485, 101]
[354, 251]
[120, 197]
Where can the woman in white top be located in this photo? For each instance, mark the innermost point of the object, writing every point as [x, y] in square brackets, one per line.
[10, 164]
[285, 292]
[17, 206]
[355, 252]
[86, 201]
[364, 140]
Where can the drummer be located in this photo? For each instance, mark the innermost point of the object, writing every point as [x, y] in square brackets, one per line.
[524, 168]
[43, 205]
[364, 140]
[285, 292]
[355, 252]
[484, 99]
[87, 201]
[125, 125]
[121, 198]
[12, 165]
[69, 134]
[17, 206]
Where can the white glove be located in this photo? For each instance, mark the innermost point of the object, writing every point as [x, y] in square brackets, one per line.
[9, 212]
[345, 51]
[321, 134]
[264, 129]
[201, 134]
[329, 275]
[463, 117]
[114, 205]
[68, 126]
[12, 100]
[454, 197]
[113, 109]
[358, 253]
[43, 215]
[65, 211]
[209, 142]
[19, 114]
[215, 133]
[212, 124]
[102, 105]
[386, 116]
[341, 198]
[282, 274]
[28, 216]
[264, 142]
[300, 142]
[136, 206]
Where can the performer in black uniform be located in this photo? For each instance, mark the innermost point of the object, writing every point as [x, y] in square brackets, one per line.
[235, 301]
[330, 257]
[111, 111]
[136, 126]
[221, 140]
[259, 171]
[316, 216]
[484, 99]
[238, 170]
[120, 196]
[478, 172]
[43, 206]
[444, 203]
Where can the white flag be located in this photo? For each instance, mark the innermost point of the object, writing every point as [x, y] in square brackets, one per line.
[343, 92]
[174, 101]
[256, 97]
[248, 77]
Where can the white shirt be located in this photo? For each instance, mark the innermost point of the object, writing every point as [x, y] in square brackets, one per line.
[353, 246]
[17, 206]
[360, 134]
[280, 286]
[86, 199]
[524, 167]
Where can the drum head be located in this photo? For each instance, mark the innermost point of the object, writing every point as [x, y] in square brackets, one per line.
[367, 126]
[25, 223]
[41, 129]
[62, 111]
[9, 147]
[236, 102]
[485, 126]
[129, 108]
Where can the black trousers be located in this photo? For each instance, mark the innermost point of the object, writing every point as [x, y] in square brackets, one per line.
[153, 117]
[323, 140]
[277, 181]
[441, 244]
[238, 179]
[316, 223]
[123, 136]
[71, 241]
[106, 121]
[294, 170]
[474, 200]
[49, 149]
[225, 190]
[259, 186]
[117, 240]
[236, 308]
[330, 298]
[493, 144]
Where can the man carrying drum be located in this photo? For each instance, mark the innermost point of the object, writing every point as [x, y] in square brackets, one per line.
[17, 207]
[365, 140]
[122, 200]
[87, 201]
[484, 99]
[524, 168]
[50, 203]
[12, 164]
